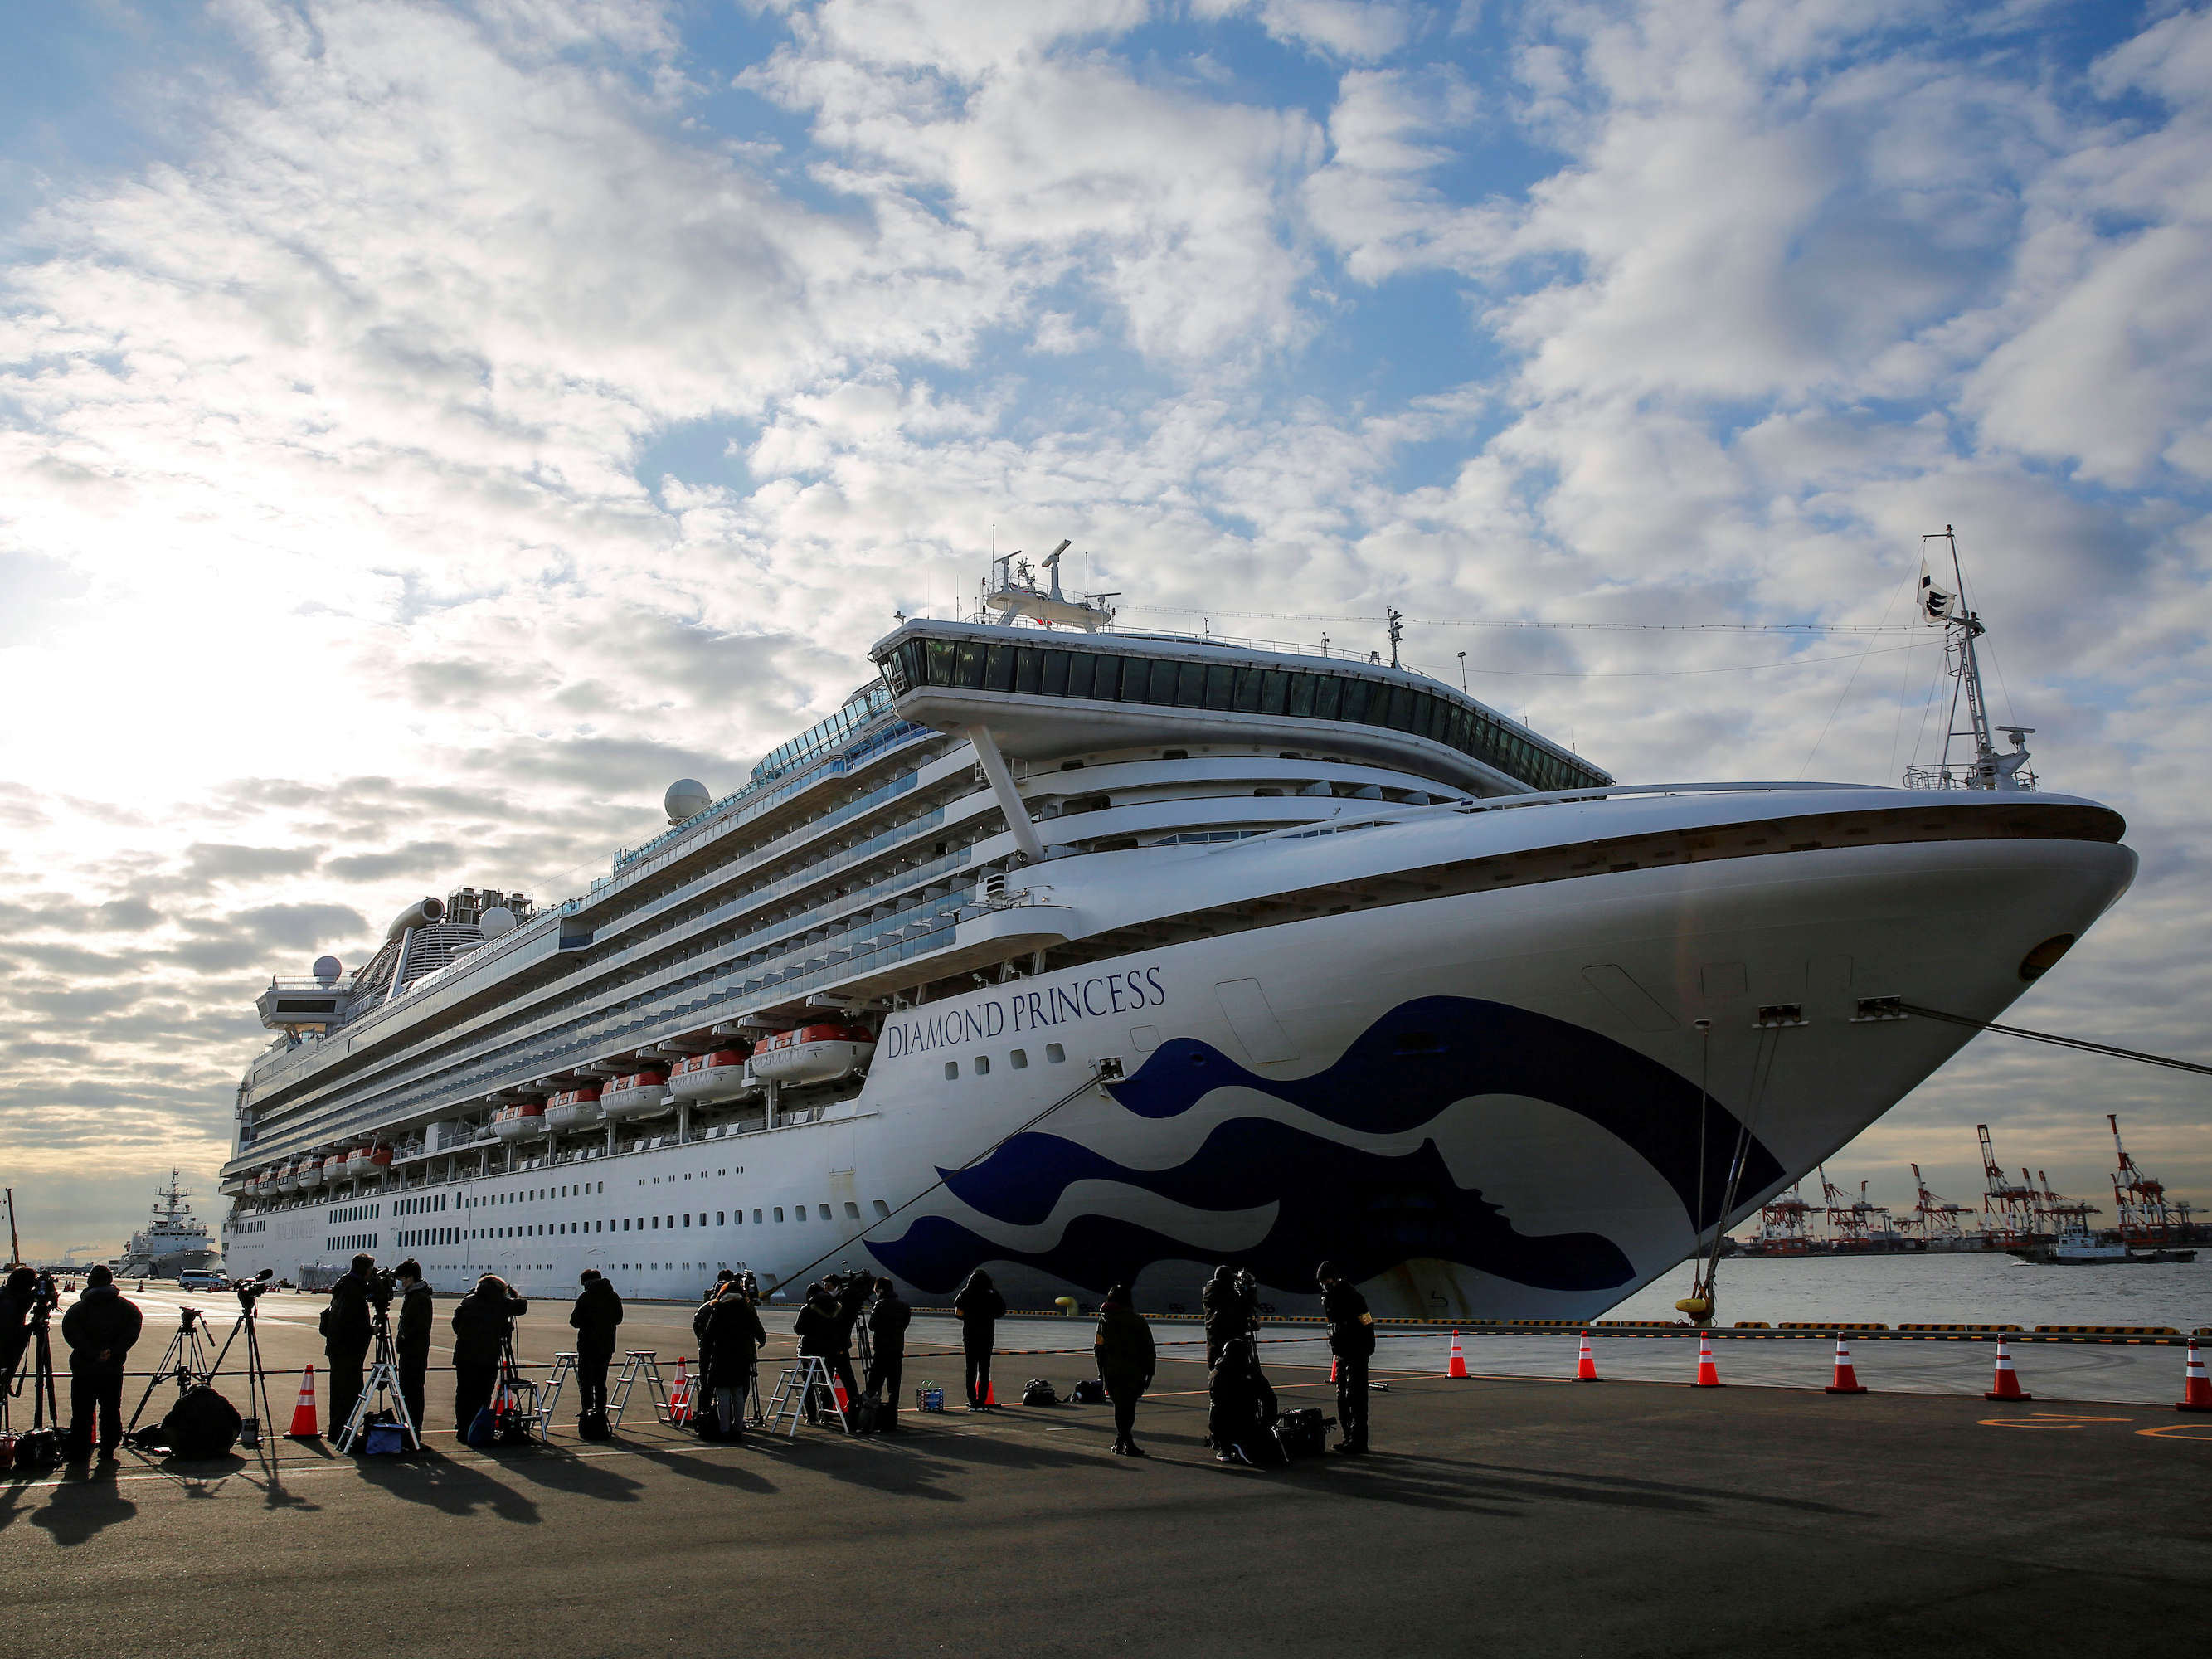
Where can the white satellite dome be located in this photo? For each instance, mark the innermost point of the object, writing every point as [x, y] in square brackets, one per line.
[327, 969]
[686, 798]
[496, 920]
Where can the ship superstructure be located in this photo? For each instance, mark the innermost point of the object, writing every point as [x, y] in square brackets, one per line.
[174, 1240]
[1089, 955]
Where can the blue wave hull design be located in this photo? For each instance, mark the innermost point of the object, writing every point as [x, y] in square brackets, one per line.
[1367, 1212]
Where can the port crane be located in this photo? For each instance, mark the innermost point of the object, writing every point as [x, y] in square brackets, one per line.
[2014, 1206]
[2060, 1210]
[1933, 1217]
[2144, 1215]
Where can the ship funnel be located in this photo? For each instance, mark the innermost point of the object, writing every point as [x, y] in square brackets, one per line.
[420, 914]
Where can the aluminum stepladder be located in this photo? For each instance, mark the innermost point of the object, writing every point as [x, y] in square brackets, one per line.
[548, 1396]
[806, 1373]
[639, 1364]
[516, 1390]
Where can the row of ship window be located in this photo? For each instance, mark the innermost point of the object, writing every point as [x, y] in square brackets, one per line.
[762, 1216]
[1018, 1059]
[1227, 688]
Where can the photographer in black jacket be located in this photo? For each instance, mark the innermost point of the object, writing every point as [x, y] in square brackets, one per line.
[1351, 1339]
[483, 1321]
[597, 1315]
[729, 1340]
[887, 1321]
[411, 1342]
[1230, 1308]
[347, 1332]
[979, 1308]
[16, 1297]
[99, 1329]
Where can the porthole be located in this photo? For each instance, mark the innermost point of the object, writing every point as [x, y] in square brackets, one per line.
[2040, 960]
[951, 1070]
[1020, 1058]
[982, 1066]
[1054, 1054]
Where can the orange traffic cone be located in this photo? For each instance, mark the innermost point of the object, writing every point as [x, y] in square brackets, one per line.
[1847, 1380]
[2195, 1391]
[1586, 1363]
[1458, 1366]
[837, 1388]
[1709, 1376]
[679, 1397]
[303, 1414]
[2006, 1384]
[1332, 1368]
[990, 1394]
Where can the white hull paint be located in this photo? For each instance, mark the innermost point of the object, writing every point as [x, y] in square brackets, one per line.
[1944, 922]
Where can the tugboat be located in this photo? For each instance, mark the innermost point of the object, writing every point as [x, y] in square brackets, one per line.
[2075, 1246]
[175, 1241]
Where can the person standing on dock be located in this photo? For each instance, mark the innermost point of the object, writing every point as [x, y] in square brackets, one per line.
[483, 1321]
[100, 1327]
[888, 1319]
[979, 1308]
[347, 1332]
[15, 1300]
[1228, 1309]
[731, 1337]
[1127, 1359]
[597, 1315]
[1351, 1339]
[411, 1344]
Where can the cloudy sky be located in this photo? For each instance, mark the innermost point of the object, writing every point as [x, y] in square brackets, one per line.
[426, 431]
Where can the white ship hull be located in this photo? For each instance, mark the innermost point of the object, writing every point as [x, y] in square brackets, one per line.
[1485, 1105]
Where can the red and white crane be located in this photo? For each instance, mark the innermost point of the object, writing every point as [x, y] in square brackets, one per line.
[2012, 1207]
[2145, 1217]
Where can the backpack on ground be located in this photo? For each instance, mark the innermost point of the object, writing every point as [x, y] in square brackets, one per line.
[591, 1425]
[203, 1423]
[1302, 1433]
[1038, 1392]
[38, 1450]
[484, 1429]
[705, 1421]
[382, 1437]
[1091, 1391]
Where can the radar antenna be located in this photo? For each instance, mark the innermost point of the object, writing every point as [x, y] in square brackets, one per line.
[1991, 767]
[1013, 592]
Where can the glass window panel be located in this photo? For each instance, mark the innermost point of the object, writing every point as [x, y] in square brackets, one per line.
[1246, 699]
[1162, 686]
[1190, 685]
[1055, 681]
[1029, 669]
[1300, 689]
[1327, 697]
[969, 674]
[1221, 686]
[1274, 687]
[1402, 713]
[999, 669]
[1081, 666]
[1352, 699]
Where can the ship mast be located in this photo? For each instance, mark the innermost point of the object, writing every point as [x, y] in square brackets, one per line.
[1991, 767]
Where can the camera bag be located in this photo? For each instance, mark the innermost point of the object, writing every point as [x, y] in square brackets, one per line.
[1091, 1391]
[203, 1423]
[484, 1429]
[7, 1451]
[38, 1450]
[1303, 1432]
[1038, 1392]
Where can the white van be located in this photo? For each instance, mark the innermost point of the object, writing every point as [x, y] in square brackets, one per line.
[201, 1278]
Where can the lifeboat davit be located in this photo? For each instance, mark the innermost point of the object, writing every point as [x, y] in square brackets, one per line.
[641, 1094]
[523, 1120]
[812, 1054]
[718, 1076]
[379, 1160]
[289, 1178]
[573, 1108]
[265, 1183]
[314, 1173]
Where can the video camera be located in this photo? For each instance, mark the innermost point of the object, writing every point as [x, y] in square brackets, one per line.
[45, 1296]
[248, 1290]
[381, 1284]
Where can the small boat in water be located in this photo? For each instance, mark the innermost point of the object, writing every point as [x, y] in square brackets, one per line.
[2077, 1247]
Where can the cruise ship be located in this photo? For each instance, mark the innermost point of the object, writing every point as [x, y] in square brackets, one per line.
[1086, 955]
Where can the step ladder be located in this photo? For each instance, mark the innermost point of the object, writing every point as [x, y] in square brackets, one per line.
[788, 1407]
[521, 1394]
[548, 1397]
[639, 1364]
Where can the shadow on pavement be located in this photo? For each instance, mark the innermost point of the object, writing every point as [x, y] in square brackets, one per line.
[80, 1508]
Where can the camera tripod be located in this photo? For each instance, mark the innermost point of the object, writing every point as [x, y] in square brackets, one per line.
[379, 1391]
[45, 1414]
[185, 1358]
[256, 1374]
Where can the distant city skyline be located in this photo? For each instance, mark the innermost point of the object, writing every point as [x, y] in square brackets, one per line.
[427, 433]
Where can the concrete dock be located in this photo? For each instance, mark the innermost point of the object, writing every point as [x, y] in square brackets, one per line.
[1516, 1514]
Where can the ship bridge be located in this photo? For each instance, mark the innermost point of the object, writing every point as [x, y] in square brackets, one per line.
[1042, 695]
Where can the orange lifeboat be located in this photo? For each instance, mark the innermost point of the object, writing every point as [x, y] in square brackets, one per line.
[718, 1076]
[573, 1108]
[641, 1094]
[812, 1054]
[523, 1120]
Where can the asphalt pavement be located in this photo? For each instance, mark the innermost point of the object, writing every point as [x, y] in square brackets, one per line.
[1516, 1515]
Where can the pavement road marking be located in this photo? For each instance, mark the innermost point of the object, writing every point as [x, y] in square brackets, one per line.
[2200, 1431]
[2048, 1420]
